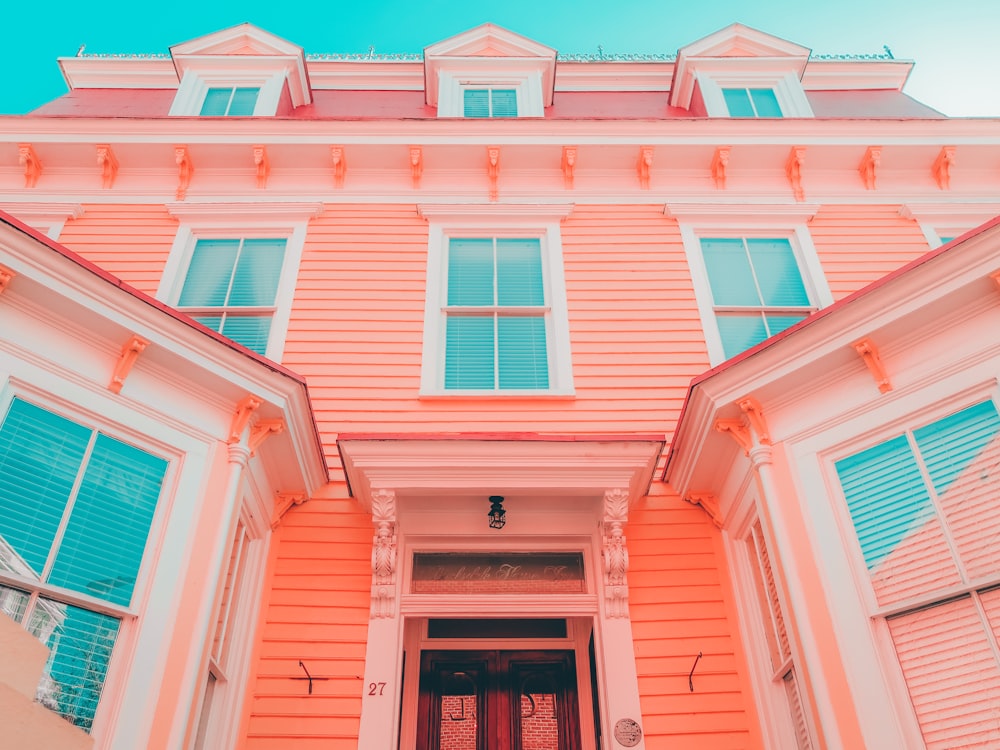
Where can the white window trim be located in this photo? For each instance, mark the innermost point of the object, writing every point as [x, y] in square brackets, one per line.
[786, 86]
[541, 222]
[760, 222]
[236, 221]
[196, 83]
[527, 83]
[947, 219]
[47, 218]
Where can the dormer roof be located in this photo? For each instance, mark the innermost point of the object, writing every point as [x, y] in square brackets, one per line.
[233, 46]
[484, 47]
[730, 47]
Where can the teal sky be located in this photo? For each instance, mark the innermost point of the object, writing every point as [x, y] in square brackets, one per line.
[952, 42]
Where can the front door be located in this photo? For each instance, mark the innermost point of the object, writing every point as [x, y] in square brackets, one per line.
[498, 700]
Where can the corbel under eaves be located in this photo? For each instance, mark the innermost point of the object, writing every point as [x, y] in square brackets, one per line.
[869, 353]
[129, 354]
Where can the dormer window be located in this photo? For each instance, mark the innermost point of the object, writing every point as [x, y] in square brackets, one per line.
[229, 102]
[489, 72]
[747, 102]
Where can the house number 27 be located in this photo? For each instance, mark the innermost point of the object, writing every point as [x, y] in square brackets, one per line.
[376, 688]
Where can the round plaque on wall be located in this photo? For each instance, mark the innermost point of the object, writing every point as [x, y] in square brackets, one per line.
[628, 732]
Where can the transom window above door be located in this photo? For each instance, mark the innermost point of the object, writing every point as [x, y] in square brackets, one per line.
[489, 102]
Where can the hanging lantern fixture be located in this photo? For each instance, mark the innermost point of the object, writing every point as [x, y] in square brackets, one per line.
[497, 513]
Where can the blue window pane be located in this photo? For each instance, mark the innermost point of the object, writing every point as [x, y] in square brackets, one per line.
[102, 547]
[740, 332]
[519, 272]
[950, 445]
[504, 103]
[778, 323]
[209, 321]
[738, 102]
[469, 362]
[476, 103]
[80, 644]
[886, 496]
[258, 269]
[522, 353]
[470, 272]
[40, 457]
[243, 103]
[765, 102]
[729, 272]
[216, 102]
[777, 273]
[250, 330]
[209, 273]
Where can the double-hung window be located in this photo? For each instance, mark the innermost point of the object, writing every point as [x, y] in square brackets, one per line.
[231, 285]
[923, 509]
[76, 507]
[756, 286]
[495, 315]
[751, 102]
[230, 101]
[489, 102]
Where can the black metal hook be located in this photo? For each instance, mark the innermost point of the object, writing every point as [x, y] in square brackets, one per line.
[308, 676]
[691, 673]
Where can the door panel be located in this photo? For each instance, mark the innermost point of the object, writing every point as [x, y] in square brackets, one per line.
[498, 700]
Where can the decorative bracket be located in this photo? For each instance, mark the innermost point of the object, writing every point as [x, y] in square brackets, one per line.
[869, 353]
[283, 502]
[793, 170]
[184, 170]
[493, 170]
[709, 503]
[6, 275]
[339, 159]
[130, 353]
[108, 163]
[28, 159]
[995, 276]
[643, 165]
[719, 163]
[568, 165]
[263, 165]
[942, 167]
[755, 417]
[737, 430]
[416, 164]
[615, 553]
[383, 554]
[246, 407]
[868, 169]
[262, 431]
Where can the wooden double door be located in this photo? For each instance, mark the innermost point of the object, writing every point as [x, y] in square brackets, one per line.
[498, 700]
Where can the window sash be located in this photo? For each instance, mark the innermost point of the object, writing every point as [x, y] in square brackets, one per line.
[751, 102]
[489, 102]
[230, 101]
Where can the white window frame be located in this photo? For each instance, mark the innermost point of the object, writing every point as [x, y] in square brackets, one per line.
[241, 221]
[515, 222]
[47, 218]
[786, 86]
[937, 220]
[758, 222]
[195, 84]
[527, 83]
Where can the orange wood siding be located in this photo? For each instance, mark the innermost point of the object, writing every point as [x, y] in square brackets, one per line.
[860, 244]
[316, 612]
[130, 241]
[680, 606]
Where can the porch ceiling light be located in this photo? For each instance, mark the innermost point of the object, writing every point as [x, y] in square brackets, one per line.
[497, 513]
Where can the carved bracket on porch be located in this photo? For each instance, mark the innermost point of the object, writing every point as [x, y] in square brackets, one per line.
[262, 431]
[719, 163]
[339, 160]
[755, 418]
[942, 167]
[644, 165]
[108, 163]
[995, 276]
[283, 502]
[244, 409]
[130, 353]
[184, 170]
[384, 554]
[709, 503]
[263, 164]
[868, 169]
[615, 553]
[493, 170]
[568, 165]
[416, 164]
[793, 170]
[737, 430]
[28, 159]
[869, 353]
[6, 275]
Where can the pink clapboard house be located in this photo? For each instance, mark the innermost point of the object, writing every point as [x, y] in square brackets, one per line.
[495, 398]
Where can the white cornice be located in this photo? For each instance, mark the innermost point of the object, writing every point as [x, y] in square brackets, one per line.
[856, 75]
[117, 73]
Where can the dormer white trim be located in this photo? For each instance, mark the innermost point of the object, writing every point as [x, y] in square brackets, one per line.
[738, 56]
[242, 56]
[489, 56]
